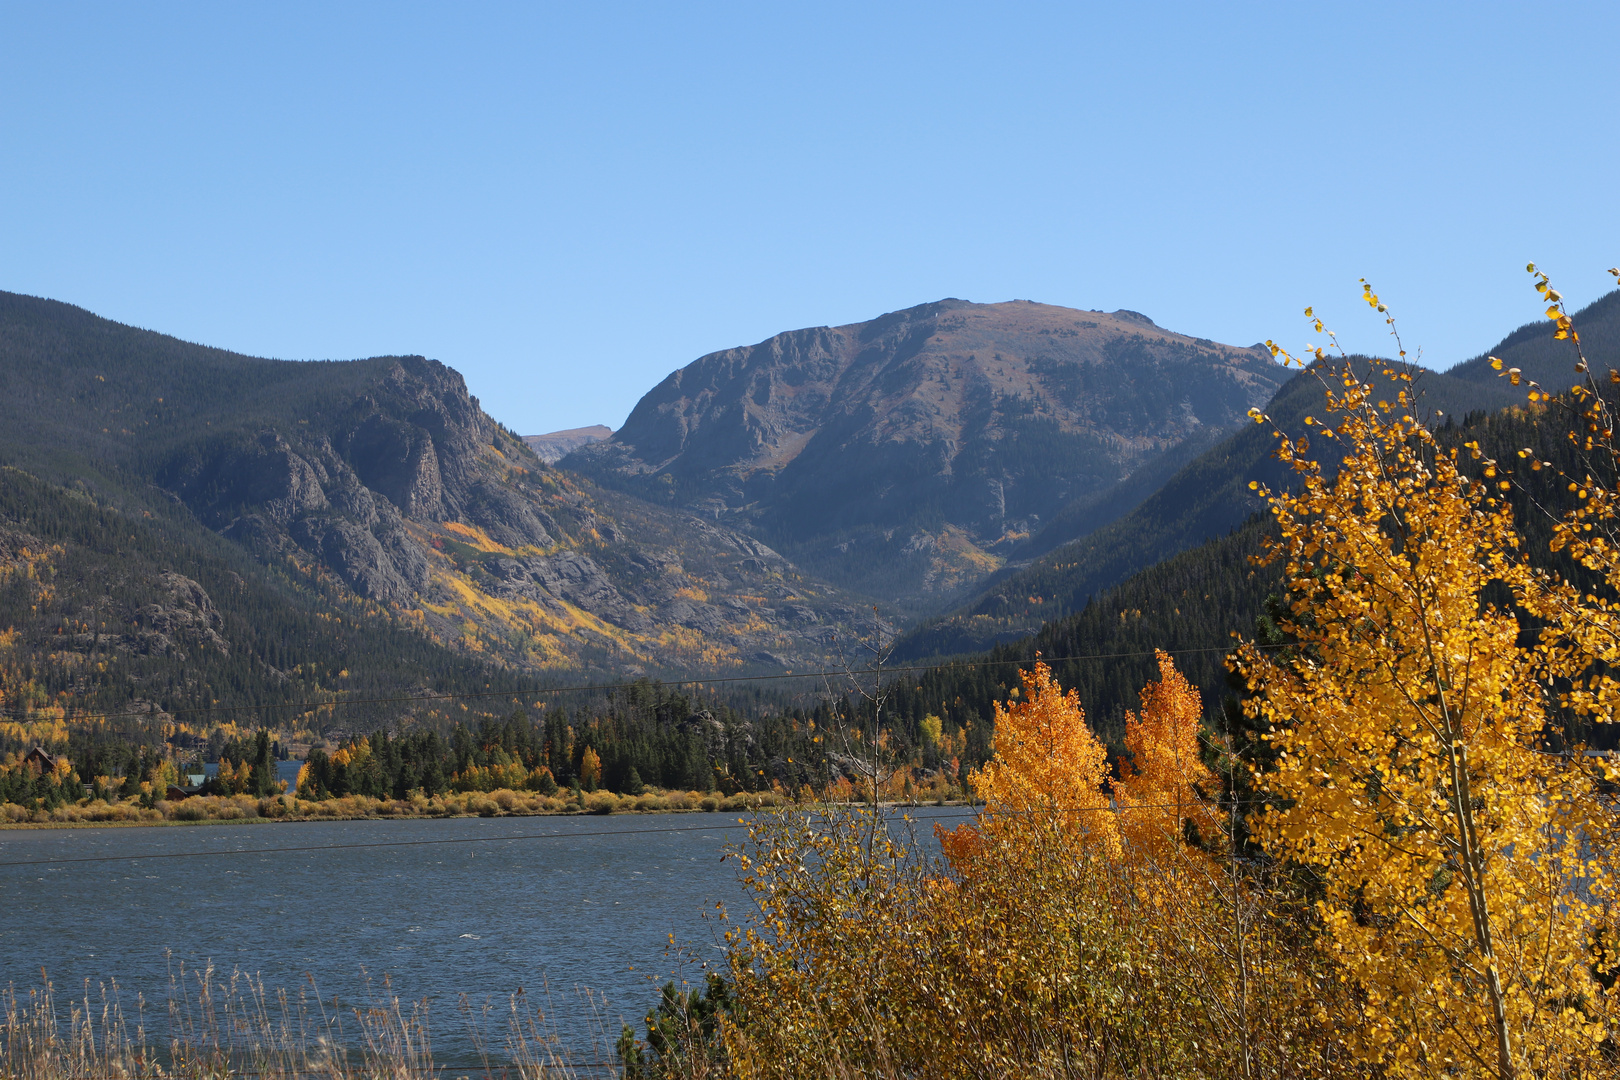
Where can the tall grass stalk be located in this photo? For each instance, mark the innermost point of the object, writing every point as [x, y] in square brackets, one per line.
[212, 1027]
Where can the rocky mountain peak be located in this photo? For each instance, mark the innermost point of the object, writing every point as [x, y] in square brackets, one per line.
[965, 421]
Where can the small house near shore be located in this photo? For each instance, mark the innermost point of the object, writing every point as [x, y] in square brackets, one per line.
[41, 762]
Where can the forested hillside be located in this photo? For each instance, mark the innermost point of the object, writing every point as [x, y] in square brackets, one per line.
[1541, 357]
[1192, 603]
[129, 626]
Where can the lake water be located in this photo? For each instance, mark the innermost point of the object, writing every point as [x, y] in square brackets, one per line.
[558, 902]
[286, 772]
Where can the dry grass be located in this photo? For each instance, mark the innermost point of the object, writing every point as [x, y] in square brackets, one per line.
[502, 802]
[212, 1027]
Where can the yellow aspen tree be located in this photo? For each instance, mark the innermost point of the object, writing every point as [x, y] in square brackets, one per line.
[1580, 639]
[1412, 771]
[1048, 771]
[590, 768]
[1162, 789]
[1040, 951]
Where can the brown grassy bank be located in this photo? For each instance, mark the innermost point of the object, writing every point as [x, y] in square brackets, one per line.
[201, 809]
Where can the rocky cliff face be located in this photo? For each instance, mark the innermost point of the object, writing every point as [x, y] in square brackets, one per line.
[411, 497]
[907, 454]
[412, 448]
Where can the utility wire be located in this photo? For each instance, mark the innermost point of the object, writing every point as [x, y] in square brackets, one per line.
[307, 706]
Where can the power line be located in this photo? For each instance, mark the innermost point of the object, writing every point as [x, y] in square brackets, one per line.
[605, 687]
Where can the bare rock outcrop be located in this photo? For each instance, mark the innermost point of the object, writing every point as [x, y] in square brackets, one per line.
[185, 616]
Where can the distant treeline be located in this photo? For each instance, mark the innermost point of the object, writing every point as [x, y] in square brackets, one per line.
[648, 735]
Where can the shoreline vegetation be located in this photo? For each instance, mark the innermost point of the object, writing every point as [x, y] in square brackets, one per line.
[246, 809]
[58, 771]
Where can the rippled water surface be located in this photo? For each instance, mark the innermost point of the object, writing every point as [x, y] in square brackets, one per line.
[591, 904]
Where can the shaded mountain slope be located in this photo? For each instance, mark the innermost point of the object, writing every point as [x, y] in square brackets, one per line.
[1532, 349]
[906, 455]
[144, 614]
[383, 479]
[1208, 497]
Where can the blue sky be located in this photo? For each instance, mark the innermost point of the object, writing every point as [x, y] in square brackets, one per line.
[566, 202]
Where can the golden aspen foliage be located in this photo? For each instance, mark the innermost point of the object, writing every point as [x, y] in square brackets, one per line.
[234, 778]
[1048, 770]
[1413, 771]
[590, 768]
[1580, 638]
[1046, 944]
[931, 727]
[1163, 793]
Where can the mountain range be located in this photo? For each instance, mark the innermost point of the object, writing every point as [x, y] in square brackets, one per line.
[181, 523]
[383, 485]
[553, 446]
